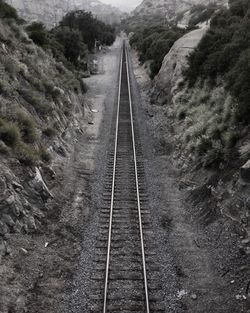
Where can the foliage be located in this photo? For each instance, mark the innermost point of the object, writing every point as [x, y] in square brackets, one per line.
[9, 134]
[26, 154]
[209, 118]
[225, 52]
[201, 13]
[49, 132]
[153, 43]
[38, 33]
[72, 44]
[69, 42]
[89, 27]
[7, 11]
[26, 126]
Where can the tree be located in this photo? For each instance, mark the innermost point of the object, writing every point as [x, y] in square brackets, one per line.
[38, 33]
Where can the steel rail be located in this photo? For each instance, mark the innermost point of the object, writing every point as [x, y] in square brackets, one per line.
[137, 188]
[113, 190]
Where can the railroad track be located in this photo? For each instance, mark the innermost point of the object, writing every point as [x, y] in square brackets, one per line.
[126, 269]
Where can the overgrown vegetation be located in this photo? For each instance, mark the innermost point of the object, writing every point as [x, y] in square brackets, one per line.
[224, 52]
[38, 82]
[153, 43]
[215, 107]
[7, 11]
[77, 33]
[202, 13]
[18, 132]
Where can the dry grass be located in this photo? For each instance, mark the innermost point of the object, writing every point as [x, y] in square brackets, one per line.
[208, 118]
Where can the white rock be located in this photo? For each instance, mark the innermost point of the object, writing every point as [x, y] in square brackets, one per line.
[40, 185]
[175, 61]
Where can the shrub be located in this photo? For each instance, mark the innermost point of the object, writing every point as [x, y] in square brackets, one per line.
[45, 155]
[36, 100]
[89, 27]
[49, 132]
[153, 43]
[7, 11]
[10, 134]
[26, 154]
[225, 52]
[26, 125]
[72, 43]
[38, 33]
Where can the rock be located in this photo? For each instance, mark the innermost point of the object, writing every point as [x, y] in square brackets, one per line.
[18, 227]
[7, 219]
[4, 229]
[47, 170]
[167, 81]
[247, 203]
[5, 150]
[193, 296]
[17, 186]
[24, 251]
[60, 150]
[245, 241]
[3, 248]
[16, 209]
[40, 186]
[30, 222]
[10, 200]
[21, 305]
[245, 172]
[58, 91]
[2, 186]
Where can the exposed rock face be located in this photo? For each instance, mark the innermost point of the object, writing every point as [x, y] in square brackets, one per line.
[51, 12]
[168, 8]
[175, 61]
[245, 172]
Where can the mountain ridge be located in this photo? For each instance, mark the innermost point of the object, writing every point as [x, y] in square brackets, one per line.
[51, 12]
[169, 8]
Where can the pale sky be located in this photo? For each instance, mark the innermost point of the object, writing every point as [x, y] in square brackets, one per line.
[123, 3]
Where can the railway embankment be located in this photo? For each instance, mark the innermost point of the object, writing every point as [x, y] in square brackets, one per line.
[204, 205]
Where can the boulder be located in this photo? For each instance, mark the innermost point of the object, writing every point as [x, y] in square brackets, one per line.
[4, 229]
[245, 172]
[2, 186]
[40, 186]
[170, 75]
[3, 248]
[7, 219]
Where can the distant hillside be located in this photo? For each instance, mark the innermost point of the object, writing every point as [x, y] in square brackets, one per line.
[168, 8]
[50, 12]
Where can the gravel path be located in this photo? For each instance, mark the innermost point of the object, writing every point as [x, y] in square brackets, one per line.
[102, 97]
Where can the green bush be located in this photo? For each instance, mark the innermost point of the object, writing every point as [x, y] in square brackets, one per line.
[201, 13]
[45, 156]
[49, 132]
[36, 100]
[89, 27]
[7, 11]
[72, 43]
[225, 52]
[26, 154]
[38, 33]
[10, 134]
[153, 43]
[26, 126]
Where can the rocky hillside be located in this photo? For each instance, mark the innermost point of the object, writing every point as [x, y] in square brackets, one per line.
[205, 104]
[51, 12]
[41, 112]
[168, 8]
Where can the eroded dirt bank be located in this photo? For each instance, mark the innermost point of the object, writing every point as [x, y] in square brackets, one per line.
[210, 267]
